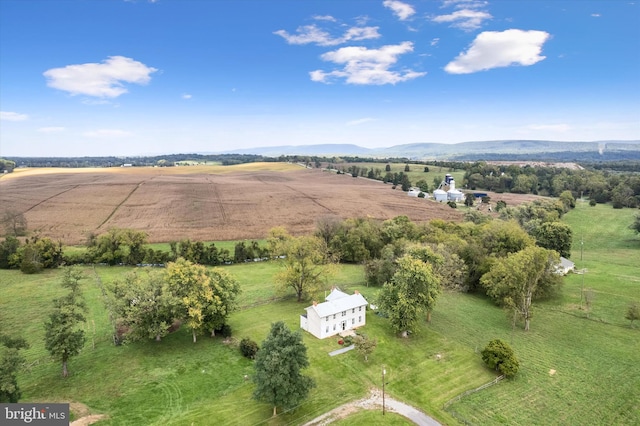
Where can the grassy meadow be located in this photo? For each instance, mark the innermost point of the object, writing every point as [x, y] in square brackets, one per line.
[578, 366]
[416, 171]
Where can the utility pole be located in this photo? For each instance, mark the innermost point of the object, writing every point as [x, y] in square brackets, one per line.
[384, 373]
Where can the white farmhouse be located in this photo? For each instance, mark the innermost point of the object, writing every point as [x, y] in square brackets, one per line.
[565, 266]
[340, 312]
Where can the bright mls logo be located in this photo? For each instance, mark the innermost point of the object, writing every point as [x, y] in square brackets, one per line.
[37, 414]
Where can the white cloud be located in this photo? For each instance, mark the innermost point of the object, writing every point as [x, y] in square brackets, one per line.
[187, 96]
[51, 129]
[107, 133]
[325, 18]
[464, 19]
[402, 10]
[103, 80]
[367, 66]
[435, 41]
[12, 116]
[595, 15]
[360, 121]
[312, 34]
[492, 49]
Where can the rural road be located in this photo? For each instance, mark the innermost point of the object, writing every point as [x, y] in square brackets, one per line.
[374, 402]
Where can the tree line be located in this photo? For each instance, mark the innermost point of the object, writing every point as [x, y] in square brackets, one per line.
[135, 161]
[621, 189]
[117, 247]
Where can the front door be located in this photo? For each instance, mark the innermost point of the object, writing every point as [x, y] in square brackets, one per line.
[344, 325]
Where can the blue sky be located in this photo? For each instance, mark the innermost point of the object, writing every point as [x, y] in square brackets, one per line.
[117, 77]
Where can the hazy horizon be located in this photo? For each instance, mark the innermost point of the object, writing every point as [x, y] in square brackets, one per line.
[152, 77]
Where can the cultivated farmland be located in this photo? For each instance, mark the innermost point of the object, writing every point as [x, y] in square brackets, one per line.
[200, 202]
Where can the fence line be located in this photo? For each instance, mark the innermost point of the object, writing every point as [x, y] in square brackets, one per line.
[469, 392]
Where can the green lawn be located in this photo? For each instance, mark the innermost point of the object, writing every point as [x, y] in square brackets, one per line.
[175, 382]
[594, 355]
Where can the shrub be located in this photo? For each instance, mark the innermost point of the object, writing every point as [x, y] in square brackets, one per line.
[592, 202]
[499, 356]
[452, 204]
[248, 348]
[30, 261]
[633, 313]
[224, 331]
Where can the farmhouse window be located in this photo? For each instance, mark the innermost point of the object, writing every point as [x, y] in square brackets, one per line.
[344, 313]
[327, 329]
[360, 319]
[353, 320]
[327, 319]
[334, 327]
[353, 311]
[334, 316]
[360, 309]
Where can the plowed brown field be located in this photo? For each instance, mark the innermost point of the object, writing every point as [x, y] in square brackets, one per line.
[204, 203]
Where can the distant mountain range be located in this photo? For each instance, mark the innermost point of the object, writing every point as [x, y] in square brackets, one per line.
[470, 151]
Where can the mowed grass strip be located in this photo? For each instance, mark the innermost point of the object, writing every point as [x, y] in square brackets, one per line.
[178, 382]
[578, 366]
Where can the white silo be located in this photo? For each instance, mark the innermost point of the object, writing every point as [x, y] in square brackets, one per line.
[453, 194]
[440, 195]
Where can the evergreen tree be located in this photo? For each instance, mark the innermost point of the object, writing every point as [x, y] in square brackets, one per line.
[499, 356]
[278, 366]
[63, 336]
[10, 364]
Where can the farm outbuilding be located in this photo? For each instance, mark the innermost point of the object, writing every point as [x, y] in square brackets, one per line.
[565, 266]
[440, 195]
[339, 312]
[414, 192]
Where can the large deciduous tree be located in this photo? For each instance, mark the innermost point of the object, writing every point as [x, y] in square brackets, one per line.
[556, 236]
[305, 266]
[14, 222]
[411, 292]
[206, 296]
[278, 369]
[118, 246]
[64, 337]
[518, 279]
[225, 289]
[142, 304]
[358, 240]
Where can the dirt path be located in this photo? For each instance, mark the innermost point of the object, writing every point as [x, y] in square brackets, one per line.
[88, 420]
[81, 411]
[374, 402]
